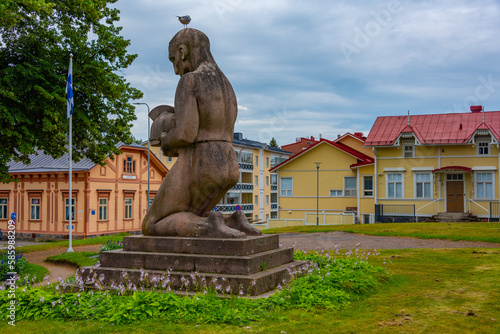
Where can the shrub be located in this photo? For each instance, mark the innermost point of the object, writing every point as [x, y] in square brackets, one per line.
[19, 263]
[110, 245]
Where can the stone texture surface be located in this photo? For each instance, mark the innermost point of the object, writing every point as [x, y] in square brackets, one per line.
[249, 266]
[249, 245]
[239, 265]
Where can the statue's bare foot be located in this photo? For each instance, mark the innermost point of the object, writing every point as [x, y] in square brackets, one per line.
[219, 229]
[239, 221]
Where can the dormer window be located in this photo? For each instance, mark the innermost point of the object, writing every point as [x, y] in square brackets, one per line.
[483, 148]
[408, 150]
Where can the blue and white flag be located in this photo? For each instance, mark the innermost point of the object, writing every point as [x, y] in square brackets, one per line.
[69, 89]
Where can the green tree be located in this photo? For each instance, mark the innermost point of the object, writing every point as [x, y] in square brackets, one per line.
[36, 39]
[273, 143]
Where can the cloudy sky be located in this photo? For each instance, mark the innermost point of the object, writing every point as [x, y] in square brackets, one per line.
[304, 68]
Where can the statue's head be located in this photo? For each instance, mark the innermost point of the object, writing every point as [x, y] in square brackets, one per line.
[188, 49]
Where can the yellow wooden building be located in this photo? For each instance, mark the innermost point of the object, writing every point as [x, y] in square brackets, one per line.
[327, 183]
[437, 163]
[105, 199]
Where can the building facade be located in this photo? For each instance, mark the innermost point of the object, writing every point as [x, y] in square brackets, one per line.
[438, 163]
[329, 182]
[105, 199]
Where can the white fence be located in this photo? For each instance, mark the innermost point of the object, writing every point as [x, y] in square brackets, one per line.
[345, 218]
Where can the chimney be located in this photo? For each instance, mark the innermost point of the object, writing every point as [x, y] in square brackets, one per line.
[476, 109]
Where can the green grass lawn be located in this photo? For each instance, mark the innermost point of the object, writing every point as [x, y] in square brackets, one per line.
[65, 244]
[430, 291]
[480, 231]
[76, 259]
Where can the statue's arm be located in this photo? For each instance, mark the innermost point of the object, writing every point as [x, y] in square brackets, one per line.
[186, 116]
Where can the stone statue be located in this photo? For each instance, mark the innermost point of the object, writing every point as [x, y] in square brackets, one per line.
[199, 130]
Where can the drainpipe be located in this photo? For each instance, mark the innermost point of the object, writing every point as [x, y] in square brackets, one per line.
[358, 193]
[375, 188]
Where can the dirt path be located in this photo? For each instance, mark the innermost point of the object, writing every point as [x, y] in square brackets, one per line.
[302, 241]
[56, 270]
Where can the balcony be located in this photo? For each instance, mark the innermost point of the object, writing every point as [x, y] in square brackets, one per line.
[246, 166]
[274, 206]
[230, 208]
[242, 187]
[274, 187]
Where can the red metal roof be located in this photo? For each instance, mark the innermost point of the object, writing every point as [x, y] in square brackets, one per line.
[433, 129]
[362, 158]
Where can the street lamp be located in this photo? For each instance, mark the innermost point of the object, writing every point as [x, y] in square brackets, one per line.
[149, 150]
[317, 192]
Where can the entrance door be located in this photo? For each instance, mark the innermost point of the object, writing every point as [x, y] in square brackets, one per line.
[454, 196]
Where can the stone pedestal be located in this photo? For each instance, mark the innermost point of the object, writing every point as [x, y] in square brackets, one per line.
[250, 266]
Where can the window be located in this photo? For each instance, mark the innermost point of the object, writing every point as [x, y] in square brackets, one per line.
[349, 186]
[483, 148]
[66, 209]
[454, 177]
[484, 185]
[336, 193]
[256, 177]
[267, 181]
[274, 179]
[367, 185]
[267, 162]
[286, 186]
[267, 199]
[246, 157]
[128, 208]
[256, 160]
[35, 209]
[408, 151]
[256, 199]
[129, 166]
[169, 159]
[103, 209]
[3, 208]
[423, 185]
[394, 185]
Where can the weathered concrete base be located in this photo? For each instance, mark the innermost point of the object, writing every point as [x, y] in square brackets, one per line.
[250, 266]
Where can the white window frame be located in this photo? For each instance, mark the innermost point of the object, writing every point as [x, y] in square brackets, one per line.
[481, 147]
[387, 183]
[288, 192]
[430, 182]
[35, 208]
[492, 182]
[336, 192]
[410, 151]
[129, 208]
[3, 207]
[349, 192]
[364, 189]
[66, 209]
[256, 180]
[103, 209]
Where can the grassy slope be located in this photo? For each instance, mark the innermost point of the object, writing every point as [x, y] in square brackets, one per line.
[486, 232]
[76, 259]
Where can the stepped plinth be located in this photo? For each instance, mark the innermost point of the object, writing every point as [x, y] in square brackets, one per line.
[251, 266]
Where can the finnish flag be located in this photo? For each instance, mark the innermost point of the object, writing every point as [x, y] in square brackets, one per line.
[69, 89]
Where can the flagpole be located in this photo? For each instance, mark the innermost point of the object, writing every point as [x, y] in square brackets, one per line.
[69, 91]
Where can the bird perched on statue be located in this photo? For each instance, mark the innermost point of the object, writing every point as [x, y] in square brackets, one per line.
[184, 20]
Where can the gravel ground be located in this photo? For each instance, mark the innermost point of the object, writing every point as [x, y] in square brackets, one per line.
[301, 241]
[343, 240]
